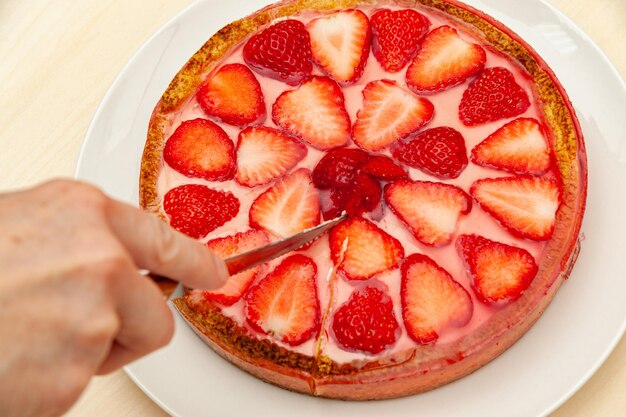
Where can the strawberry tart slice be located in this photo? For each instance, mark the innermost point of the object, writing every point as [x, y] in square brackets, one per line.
[447, 140]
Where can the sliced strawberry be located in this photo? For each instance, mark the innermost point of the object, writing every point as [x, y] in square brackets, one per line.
[439, 151]
[338, 167]
[314, 112]
[444, 60]
[500, 273]
[233, 95]
[431, 299]
[284, 304]
[384, 168]
[288, 207]
[389, 113]
[196, 210]
[237, 284]
[200, 148]
[366, 322]
[396, 35]
[525, 205]
[340, 43]
[430, 210]
[360, 249]
[519, 146]
[265, 153]
[492, 96]
[282, 51]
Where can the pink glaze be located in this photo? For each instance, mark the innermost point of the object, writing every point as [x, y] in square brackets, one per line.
[334, 290]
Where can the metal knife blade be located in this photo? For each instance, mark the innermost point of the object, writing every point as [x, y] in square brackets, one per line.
[266, 253]
[250, 259]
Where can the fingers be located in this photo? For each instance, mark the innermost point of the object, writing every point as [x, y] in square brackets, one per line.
[146, 321]
[160, 249]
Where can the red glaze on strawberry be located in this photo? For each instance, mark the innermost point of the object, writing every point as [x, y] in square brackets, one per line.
[282, 51]
[430, 210]
[396, 35]
[384, 168]
[314, 112]
[444, 60]
[431, 299]
[519, 147]
[265, 153]
[366, 322]
[360, 249]
[492, 96]
[284, 304]
[200, 148]
[233, 95]
[389, 113]
[525, 205]
[340, 44]
[500, 273]
[289, 206]
[369, 190]
[338, 167]
[196, 210]
[362, 196]
[229, 246]
[439, 151]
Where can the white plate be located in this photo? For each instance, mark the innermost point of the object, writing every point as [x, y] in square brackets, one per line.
[557, 356]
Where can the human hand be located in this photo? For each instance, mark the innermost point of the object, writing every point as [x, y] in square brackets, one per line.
[72, 302]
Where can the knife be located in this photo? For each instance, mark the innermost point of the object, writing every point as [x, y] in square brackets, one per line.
[262, 254]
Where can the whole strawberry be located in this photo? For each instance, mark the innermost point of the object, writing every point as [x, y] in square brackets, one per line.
[282, 51]
[196, 210]
[366, 321]
[439, 151]
[396, 36]
[494, 95]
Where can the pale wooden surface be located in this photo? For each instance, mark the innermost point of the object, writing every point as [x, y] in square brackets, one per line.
[58, 58]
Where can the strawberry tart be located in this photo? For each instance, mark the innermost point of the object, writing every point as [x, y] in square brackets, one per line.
[444, 136]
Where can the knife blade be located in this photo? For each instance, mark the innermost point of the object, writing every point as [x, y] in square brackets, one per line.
[262, 254]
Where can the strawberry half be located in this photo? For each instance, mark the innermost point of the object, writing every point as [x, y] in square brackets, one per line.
[284, 304]
[430, 210]
[200, 148]
[265, 153]
[519, 147]
[360, 249]
[396, 35]
[366, 322]
[233, 245]
[338, 167]
[340, 44]
[281, 51]
[314, 112]
[444, 60]
[431, 299]
[233, 95]
[525, 205]
[196, 210]
[439, 151]
[288, 207]
[384, 168]
[389, 113]
[500, 273]
[492, 96]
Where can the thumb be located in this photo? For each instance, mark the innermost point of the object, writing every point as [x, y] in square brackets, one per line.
[157, 247]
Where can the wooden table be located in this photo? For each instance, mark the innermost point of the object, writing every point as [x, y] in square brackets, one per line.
[58, 58]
